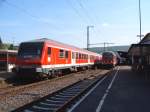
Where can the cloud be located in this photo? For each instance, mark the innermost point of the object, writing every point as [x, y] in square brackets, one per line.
[105, 24]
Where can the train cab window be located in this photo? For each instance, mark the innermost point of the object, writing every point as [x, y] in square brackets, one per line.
[66, 54]
[61, 53]
[49, 51]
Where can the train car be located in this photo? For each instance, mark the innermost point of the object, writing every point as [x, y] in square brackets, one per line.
[49, 57]
[123, 57]
[109, 59]
[7, 60]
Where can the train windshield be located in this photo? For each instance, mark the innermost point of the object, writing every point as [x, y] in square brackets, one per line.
[29, 50]
[107, 55]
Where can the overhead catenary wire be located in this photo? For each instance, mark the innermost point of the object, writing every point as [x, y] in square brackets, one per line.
[34, 17]
[77, 11]
[91, 19]
[86, 13]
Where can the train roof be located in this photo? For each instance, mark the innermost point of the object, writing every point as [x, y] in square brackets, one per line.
[8, 51]
[62, 45]
[109, 52]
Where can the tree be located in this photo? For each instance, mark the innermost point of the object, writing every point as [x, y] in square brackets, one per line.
[1, 41]
[11, 47]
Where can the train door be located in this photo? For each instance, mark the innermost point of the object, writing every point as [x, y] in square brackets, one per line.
[49, 55]
[89, 59]
[3, 61]
[11, 61]
[73, 58]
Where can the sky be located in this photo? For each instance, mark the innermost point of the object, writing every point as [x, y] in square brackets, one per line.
[114, 21]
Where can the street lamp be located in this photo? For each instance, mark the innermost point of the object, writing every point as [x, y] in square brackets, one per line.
[88, 39]
[140, 18]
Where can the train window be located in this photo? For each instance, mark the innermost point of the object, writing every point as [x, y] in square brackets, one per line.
[30, 49]
[82, 56]
[73, 55]
[61, 53]
[3, 65]
[3, 55]
[86, 56]
[12, 55]
[66, 54]
[77, 56]
[49, 51]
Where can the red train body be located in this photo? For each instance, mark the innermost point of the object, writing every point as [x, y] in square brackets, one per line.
[48, 56]
[7, 60]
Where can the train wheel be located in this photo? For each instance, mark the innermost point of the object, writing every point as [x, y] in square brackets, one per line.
[60, 73]
[52, 74]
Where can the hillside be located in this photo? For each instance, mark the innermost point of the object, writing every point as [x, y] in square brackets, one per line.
[110, 48]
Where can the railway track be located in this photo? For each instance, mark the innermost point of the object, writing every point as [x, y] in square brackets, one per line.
[60, 100]
[16, 89]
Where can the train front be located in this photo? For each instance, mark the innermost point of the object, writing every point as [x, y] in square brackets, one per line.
[29, 59]
[109, 59]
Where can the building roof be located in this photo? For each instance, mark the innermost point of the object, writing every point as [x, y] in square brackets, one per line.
[141, 48]
[138, 49]
[146, 39]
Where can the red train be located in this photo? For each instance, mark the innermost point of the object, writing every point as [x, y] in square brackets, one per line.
[109, 59]
[7, 60]
[49, 57]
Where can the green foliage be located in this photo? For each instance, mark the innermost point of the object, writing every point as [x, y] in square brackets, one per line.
[8, 47]
[4, 46]
[11, 47]
[110, 48]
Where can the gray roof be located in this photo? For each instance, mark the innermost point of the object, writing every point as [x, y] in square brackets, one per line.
[146, 39]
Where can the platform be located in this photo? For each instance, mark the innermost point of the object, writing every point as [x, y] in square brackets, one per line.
[122, 91]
